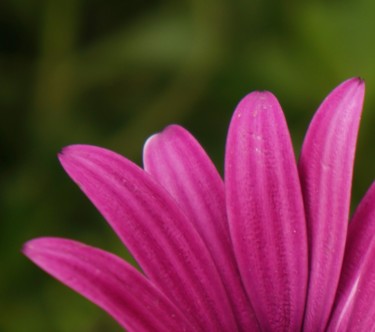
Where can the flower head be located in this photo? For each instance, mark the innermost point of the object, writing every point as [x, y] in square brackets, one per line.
[268, 249]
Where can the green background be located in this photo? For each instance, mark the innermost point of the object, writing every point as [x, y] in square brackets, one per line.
[111, 73]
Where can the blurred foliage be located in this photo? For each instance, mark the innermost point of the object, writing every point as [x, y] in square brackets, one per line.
[113, 72]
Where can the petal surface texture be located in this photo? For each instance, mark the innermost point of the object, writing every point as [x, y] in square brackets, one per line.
[180, 164]
[355, 307]
[326, 168]
[147, 219]
[109, 282]
[265, 210]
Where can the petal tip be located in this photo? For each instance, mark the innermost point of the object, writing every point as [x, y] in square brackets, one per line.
[169, 132]
[256, 104]
[63, 153]
[27, 248]
[67, 151]
[356, 83]
[31, 247]
[257, 99]
[359, 80]
[77, 151]
[149, 142]
[261, 95]
[357, 86]
[73, 148]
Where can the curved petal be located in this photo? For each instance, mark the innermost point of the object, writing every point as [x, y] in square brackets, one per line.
[265, 210]
[355, 307]
[106, 280]
[179, 163]
[326, 167]
[147, 219]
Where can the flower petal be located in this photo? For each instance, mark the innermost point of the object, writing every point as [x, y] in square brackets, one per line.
[265, 210]
[355, 307]
[179, 163]
[147, 219]
[326, 167]
[109, 282]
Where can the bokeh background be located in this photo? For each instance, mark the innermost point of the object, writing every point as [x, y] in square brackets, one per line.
[111, 73]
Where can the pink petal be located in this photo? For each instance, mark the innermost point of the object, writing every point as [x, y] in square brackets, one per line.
[146, 218]
[179, 163]
[326, 167]
[109, 282]
[355, 306]
[265, 210]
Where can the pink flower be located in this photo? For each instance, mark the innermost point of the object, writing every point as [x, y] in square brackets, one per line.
[269, 249]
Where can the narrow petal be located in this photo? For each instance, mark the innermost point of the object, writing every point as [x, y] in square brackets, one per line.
[265, 210]
[326, 167]
[109, 282]
[355, 307]
[179, 163]
[151, 225]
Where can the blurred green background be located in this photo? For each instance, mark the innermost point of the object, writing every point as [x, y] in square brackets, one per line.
[111, 73]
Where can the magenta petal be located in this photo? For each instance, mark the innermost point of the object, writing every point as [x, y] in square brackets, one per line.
[326, 167]
[179, 163]
[109, 282]
[147, 219]
[355, 306]
[265, 210]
